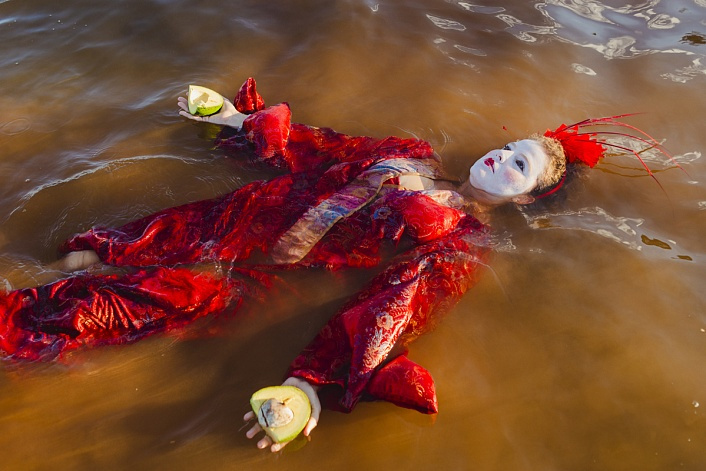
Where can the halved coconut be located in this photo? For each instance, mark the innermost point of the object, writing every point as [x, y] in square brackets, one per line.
[203, 101]
[282, 411]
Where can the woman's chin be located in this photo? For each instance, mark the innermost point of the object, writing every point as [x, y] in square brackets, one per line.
[485, 197]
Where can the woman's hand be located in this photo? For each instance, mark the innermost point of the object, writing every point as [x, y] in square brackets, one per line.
[310, 392]
[227, 116]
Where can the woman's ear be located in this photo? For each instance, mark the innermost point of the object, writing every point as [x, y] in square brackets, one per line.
[523, 199]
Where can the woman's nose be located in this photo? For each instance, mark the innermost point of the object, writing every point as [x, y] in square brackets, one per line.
[503, 155]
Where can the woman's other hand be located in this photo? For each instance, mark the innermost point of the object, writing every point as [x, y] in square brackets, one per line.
[227, 116]
[310, 392]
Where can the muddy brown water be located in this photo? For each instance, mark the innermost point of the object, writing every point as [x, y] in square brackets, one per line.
[583, 348]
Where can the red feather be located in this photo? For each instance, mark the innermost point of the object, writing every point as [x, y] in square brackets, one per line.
[578, 146]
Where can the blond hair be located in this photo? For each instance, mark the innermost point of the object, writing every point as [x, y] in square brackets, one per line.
[557, 161]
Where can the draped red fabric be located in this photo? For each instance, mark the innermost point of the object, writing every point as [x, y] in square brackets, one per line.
[40, 323]
[438, 252]
[248, 100]
[404, 301]
[405, 384]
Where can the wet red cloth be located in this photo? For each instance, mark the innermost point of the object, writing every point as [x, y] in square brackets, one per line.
[404, 301]
[40, 323]
[406, 384]
[351, 352]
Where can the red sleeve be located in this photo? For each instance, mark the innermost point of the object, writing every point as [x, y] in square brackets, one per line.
[421, 218]
[247, 100]
[405, 384]
[229, 227]
[404, 301]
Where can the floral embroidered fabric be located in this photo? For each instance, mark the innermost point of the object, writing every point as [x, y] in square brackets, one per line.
[330, 210]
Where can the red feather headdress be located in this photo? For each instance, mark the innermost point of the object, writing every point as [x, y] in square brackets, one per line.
[587, 148]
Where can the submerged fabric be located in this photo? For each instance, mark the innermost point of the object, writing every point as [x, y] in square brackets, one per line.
[40, 323]
[333, 208]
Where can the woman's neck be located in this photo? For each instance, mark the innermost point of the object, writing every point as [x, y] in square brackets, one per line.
[474, 205]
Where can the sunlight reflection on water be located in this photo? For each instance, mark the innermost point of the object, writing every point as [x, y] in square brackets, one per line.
[581, 348]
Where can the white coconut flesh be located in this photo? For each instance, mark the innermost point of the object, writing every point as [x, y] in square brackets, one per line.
[274, 413]
[203, 101]
[282, 411]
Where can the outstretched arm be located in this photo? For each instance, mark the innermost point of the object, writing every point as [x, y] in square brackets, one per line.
[311, 393]
[356, 349]
[275, 140]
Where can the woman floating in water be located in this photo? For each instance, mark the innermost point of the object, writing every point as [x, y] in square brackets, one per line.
[343, 202]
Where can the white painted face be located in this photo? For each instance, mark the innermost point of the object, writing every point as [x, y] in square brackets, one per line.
[511, 171]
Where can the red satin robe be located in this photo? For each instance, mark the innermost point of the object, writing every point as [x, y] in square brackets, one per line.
[333, 209]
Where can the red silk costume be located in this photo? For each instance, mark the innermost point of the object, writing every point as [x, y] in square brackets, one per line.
[337, 207]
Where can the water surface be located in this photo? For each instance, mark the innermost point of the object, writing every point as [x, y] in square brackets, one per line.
[583, 348]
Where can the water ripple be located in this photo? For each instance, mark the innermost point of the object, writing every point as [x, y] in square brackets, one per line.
[595, 220]
[687, 73]
[615, 32]
[628, 31]
[582, 69]
[486, 10]
[16, 126]
[623, 230]
[444, 23]
[523, 31]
